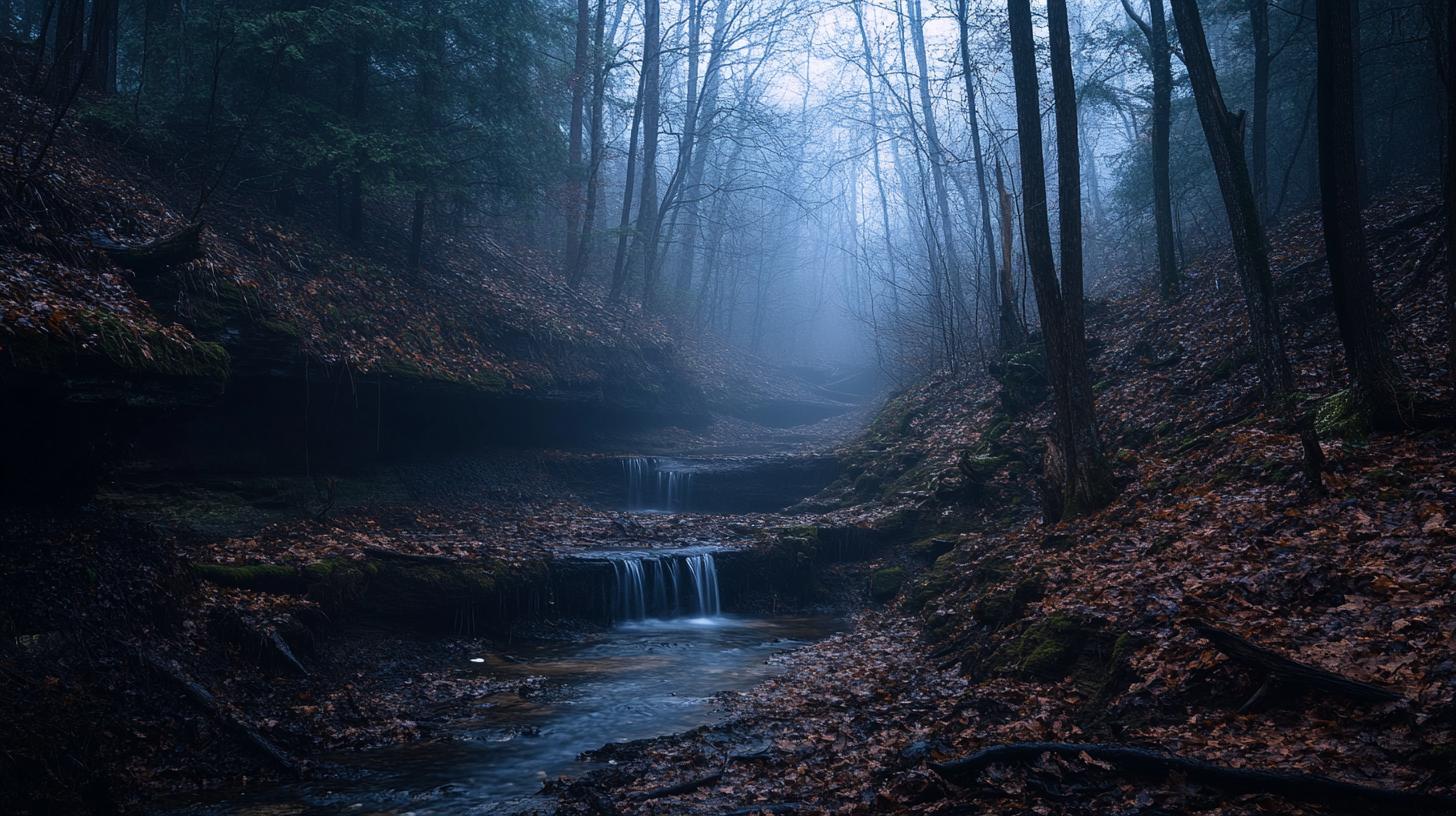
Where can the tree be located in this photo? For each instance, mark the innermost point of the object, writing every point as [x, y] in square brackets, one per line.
[1375, 381]
[101, 47]
[644, 246]
[1010, 333]
[1155, 29]
[1221, 130]
[936, 153]
[1077, 474]
[574, 170]
[1259, 130]
[577, 265]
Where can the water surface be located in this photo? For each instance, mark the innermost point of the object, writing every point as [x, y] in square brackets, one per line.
[641, 679]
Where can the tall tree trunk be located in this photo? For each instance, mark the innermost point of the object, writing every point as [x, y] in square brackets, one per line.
[878, 164]
[936, 154]
[1076, 472]
[619, 264]
[1251, 250]
[1155, 28]
[1450, 187]
[703, 113]
[70, 49]
[101, 47]
[1069, 170]
[644, 247]
[577, 268]
[1375, 380]
[574, 170]
[1010, 319]
[1014, 338]
[1259, 131]
[358, 108]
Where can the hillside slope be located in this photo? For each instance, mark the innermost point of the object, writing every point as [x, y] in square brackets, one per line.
[1001, 628]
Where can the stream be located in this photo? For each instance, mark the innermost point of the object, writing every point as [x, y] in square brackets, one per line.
[639, 679]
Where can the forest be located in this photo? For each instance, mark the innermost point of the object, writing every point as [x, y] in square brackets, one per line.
[733, 407]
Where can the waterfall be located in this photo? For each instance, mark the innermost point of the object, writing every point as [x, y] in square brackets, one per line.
[665, 586]
[657, 485]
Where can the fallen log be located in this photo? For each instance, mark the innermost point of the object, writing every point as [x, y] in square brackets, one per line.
[687, 786]
[159, 254]
[208, 703]
[1279, 671]
[1300, 787]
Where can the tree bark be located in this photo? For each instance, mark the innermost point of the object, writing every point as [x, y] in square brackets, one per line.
[704, 113]
[101, 46]
[1010, 320]
[1259, 129]
[1450, 187]
[619, 265]
[574, 170]
[577, 267]
[1375, 380]
[1251, 250]
[645, 244]
[70, 48]
[1075, 464]
[1008, 335]
[1155, 29]
[936, 153]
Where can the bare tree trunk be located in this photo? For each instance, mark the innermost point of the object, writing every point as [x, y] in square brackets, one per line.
[1259, 131]
[101, 46]
[619, 265]
[869, 69]
[1155, 28]
[1014, 338]
[1010, 319]
[1375, 379]
[645, 243]
[1450, 187]
[574, 170]
[70, 47]
[1077, 473]
[703, 113]
[936, 154]
[578, 264]
[358, 103]
[1251, 250]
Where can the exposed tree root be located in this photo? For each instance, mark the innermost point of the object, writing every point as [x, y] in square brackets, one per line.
[1126, 759]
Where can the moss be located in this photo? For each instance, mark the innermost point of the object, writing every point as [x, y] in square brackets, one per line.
[997, 609]
[1229, 365]
[1045, 650]
[138, 350]
[1341, 416]
[260, 577]
[885, 583]
[1023, 379]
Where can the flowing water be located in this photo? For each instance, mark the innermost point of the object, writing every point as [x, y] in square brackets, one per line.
[654, 673]
[657, 485]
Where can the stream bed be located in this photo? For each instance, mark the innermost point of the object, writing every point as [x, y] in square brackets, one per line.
[640, 679]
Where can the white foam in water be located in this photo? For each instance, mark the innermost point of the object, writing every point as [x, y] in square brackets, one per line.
[671, 585]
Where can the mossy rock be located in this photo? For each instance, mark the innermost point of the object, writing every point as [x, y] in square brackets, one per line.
[276, 578]
[932, 547]
[1045, 650]
[885, 583]
[998, 609]
[1340, 416]
[1023, 379]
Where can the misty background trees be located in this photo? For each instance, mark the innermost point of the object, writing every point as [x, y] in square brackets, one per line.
[856, 180]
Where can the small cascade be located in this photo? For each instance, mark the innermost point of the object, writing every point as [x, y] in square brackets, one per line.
[656, 485]
[671, 585]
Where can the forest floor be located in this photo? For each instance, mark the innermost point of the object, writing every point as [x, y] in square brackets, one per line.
[1081, 632]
